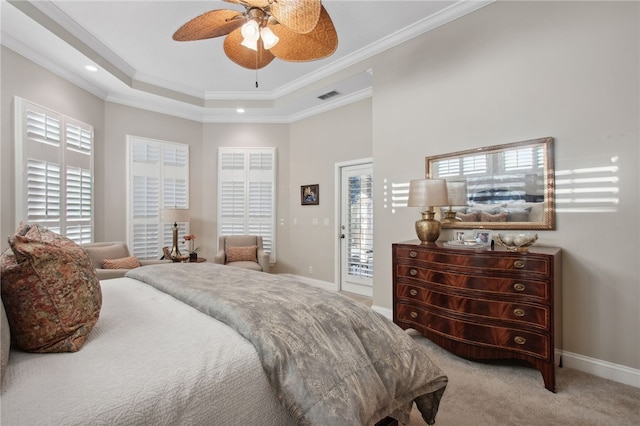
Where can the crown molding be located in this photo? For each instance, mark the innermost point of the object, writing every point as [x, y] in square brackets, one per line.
[172, 99]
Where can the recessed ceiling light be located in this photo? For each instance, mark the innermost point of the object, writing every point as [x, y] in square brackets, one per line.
[91, 68]
[240, 110]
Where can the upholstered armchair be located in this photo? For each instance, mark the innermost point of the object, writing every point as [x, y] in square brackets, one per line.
[243, 251]
[113, 260]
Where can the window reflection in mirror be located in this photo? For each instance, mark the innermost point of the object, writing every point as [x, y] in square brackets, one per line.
[509, 186]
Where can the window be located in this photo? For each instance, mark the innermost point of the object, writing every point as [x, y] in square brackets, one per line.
[158, 178]
[519, 159]
[246, 194]
[54, 157]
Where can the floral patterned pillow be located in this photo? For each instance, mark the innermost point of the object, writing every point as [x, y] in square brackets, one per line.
[240, 254]
[50, 292]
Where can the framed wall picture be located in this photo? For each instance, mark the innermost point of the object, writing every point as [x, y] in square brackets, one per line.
[310, 195]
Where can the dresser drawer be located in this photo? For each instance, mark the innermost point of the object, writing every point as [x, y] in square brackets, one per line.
[488, 261]
[512, 339]
[460, 282]
[481, 309]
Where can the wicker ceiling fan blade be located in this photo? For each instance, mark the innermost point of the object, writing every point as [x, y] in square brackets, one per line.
[214, 23]
[317, 44]
[300, 16]
[243, 56]
[252, 3]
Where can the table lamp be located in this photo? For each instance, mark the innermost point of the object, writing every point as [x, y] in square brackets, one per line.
[457, 193]
[176, 215]
[428, 193]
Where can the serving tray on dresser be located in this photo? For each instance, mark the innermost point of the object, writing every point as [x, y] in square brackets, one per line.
[482, 304]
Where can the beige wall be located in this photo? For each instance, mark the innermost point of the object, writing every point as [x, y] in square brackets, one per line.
[508, 72]
[317, 144]
[20, 77]
[515, 71]
[111, 167]
[238, 135]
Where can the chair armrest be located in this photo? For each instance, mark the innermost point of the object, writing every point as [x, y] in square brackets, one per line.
[263, 260]
[219, 258]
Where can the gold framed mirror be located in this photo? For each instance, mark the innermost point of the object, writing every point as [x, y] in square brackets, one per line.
[509, 186]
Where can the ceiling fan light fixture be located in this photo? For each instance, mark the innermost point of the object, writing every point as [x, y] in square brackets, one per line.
[250, 44]
[269, 39]
[251, 31]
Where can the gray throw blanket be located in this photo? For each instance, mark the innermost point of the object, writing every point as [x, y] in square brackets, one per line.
[330, 360]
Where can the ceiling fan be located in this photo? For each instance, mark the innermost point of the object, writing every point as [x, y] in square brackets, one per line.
[291, 30]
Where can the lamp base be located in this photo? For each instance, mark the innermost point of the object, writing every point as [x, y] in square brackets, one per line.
[450, 217]
[427, 228]
[176, 256]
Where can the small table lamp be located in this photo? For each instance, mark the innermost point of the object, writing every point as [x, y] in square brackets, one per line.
[428, 193]
[457, 193]
[175, 216]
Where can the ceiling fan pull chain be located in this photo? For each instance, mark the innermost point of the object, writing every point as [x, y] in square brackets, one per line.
[256, 70]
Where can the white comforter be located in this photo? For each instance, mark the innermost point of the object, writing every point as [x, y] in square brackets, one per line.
[150, 360]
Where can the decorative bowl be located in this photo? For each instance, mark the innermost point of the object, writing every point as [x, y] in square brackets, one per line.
[516, 242]
[181, 258]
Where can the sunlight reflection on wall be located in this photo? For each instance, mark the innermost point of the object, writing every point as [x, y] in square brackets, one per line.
[399, 195]
[588, 190]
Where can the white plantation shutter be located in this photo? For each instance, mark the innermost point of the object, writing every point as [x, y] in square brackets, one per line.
[79, 139]
[448, 168]
[519, 159]
[79, 186]
[44, 194]
[158, 178]
[474, 164]
[54, 157]
[246, 194]
[41, 125]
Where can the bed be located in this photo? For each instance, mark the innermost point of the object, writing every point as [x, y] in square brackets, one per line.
[206, 344]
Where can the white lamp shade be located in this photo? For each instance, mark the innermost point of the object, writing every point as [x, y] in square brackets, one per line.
[250, 44]
[251, 30]
[457, 192]
[269, 39]
[176, 215]
[427, 193]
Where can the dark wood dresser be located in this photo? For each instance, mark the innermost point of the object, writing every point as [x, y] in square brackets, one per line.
[482, 304]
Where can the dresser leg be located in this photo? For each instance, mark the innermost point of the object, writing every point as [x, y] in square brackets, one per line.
[548, 375]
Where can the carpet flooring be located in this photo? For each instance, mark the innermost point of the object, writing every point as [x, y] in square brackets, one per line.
[506, 393]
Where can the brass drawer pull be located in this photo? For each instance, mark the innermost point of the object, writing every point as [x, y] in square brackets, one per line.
[518, 287]
[519, 264]
[520, 340]
[413, 272]
[518, 312]
[413, 314]
[413, 253]
[413, 292]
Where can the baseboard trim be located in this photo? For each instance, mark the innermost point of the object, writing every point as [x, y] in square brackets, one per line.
[597, 367]
[310, 281]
